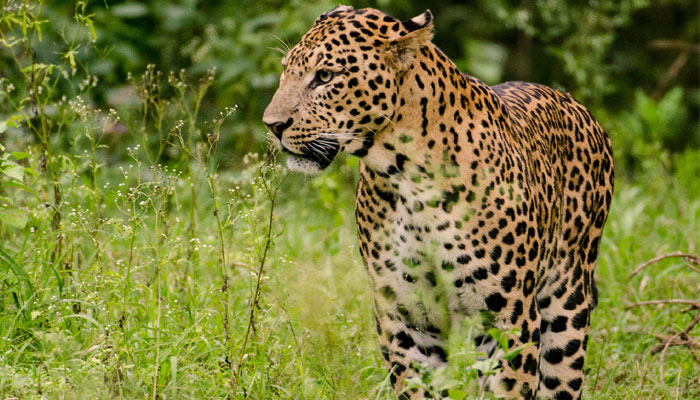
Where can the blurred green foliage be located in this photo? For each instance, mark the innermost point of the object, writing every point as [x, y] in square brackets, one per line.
[624, 59]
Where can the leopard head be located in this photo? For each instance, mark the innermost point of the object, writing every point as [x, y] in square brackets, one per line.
[340, 85]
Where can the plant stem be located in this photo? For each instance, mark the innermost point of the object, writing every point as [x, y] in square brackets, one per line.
[272, 195]
[157, 304]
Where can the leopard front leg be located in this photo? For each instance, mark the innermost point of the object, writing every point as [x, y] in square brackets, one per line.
[409, 305]
[411, 316]
[499, 281]
[515, 377]
[404, 345]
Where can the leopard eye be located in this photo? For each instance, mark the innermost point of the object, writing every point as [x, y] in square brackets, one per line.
[323, 76]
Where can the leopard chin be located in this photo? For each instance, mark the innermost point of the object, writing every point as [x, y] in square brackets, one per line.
[304, 165]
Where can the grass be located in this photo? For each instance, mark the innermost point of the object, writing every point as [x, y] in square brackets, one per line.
[135, 295]
[133, 266]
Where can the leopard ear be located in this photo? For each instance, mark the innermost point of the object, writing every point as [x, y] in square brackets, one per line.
[419, 32]
[337, 9]
[422, 21]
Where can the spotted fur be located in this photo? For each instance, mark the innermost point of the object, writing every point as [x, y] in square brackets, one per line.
[472, 198]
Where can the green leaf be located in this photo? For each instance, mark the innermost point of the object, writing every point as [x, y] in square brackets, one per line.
[85, 317]
[500, 337]
[19, 185]
[38, 67]
[58, 278]
[486, 367]
[17, 269]
[13, 170]
[15, 120]
[511, 354]
[92, 29]
[70, 56]
[457, 394]
[14, 217]
[18, 155]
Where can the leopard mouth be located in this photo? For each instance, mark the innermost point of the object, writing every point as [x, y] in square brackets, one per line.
[315, 156]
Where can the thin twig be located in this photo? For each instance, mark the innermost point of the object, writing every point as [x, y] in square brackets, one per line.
[685, 339]
[157, 283]
[688, 257]
[694, 304]
[682, 337]
[663, 356]
[224, 287]
[676, 66]
[672, 44]
[272, 195]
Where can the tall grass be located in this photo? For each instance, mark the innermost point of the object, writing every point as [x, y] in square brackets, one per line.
[132, 266]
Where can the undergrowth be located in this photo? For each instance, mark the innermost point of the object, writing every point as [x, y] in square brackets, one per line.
[133, 266]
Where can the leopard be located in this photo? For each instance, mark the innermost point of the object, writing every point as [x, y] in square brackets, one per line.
[472, 200]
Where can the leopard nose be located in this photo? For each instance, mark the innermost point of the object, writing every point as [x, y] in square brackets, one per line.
[278, 127]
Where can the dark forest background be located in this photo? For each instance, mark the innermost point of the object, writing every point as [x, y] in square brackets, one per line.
[633, 62]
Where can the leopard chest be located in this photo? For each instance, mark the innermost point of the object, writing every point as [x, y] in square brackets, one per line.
[425, 253]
